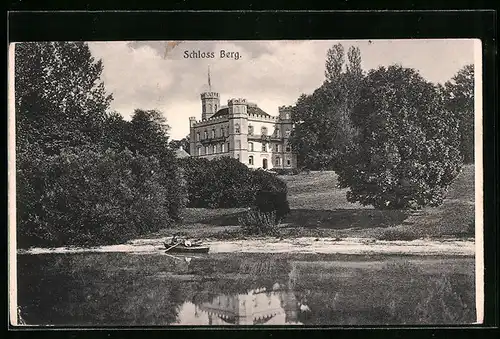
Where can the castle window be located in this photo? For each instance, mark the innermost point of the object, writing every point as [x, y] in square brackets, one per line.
[250, 146]
[215, 149]
[236, 128]
[250, 160]
[278, 161]
[222, 147]
[228, 147]
[222, 131]
[205, 135]
[264, 130]
[277, 147]
[206, 150]
[288, 162]
[198, 136]
[213, 133]
[264, 148]
[288, 149]
[199, 150]
[250, 130]
[287, 133]
[277, 133]
[215, 106]
[287, 116]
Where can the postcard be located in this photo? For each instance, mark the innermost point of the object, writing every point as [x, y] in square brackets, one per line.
[229, 183]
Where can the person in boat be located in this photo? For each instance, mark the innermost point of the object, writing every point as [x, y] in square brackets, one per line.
[176, 239]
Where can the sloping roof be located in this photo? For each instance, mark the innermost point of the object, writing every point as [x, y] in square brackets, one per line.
[221, 112]
[256, 110]
[251, 109]
[181, 153]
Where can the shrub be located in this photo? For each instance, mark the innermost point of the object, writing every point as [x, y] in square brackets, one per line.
[272, 201]
[226, 183]
[84, 197]
[257, 222]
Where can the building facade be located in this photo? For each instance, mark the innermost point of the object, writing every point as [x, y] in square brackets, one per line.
[243, 131]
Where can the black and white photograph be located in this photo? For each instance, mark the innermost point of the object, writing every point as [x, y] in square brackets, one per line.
[246, 182]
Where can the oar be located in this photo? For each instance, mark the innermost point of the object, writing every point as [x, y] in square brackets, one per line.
[168, 249]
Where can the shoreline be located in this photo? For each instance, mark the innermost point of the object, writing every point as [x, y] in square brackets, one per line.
[304, 245]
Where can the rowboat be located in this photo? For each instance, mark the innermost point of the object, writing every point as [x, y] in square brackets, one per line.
[186, 247]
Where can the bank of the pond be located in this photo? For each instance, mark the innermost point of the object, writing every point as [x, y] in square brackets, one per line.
[453, 247]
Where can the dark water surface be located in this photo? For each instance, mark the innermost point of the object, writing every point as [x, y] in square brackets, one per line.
[120, 289]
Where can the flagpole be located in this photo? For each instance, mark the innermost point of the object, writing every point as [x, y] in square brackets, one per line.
[209, 83]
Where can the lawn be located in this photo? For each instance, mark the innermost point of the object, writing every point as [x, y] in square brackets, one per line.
[319, 208]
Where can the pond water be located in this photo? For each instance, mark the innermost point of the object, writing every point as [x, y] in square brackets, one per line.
[120, 289]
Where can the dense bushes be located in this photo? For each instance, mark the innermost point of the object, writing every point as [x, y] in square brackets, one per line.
[83, 197]
[226, 182]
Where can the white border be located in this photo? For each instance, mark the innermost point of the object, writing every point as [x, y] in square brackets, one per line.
[478, 172]
[11, 187]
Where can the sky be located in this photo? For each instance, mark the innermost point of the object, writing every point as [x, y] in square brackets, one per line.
[156, 74]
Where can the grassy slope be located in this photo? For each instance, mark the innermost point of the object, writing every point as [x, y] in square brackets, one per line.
[319, 208]
[455, 216]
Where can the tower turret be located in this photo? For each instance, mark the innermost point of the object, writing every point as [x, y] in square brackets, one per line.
[285, 112]
[237, 106]
[210, 101]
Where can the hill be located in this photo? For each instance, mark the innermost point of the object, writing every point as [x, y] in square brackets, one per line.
[316, 202]
[320, 209]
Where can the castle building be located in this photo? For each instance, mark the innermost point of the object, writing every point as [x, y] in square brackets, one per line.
[243, 131]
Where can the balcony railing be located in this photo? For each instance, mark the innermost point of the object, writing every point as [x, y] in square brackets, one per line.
[210, 140]
[264, 138]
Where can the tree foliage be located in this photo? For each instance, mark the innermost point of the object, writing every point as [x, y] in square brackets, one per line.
[407, 150]
[83, 197]
[184, 143]
[85, 175]
[60, 100]
[459, 93]
[323, 129]
[396, 140]
[226, 182]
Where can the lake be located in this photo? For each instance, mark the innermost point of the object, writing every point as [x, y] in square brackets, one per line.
[122, 289]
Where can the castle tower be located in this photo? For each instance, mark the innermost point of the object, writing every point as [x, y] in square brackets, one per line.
[192, 136]
[210, 101]
[285, 121]
[285, 113]
[238, 129]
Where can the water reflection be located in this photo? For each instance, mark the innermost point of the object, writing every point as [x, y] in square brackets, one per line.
[123, 290]
[256, 307]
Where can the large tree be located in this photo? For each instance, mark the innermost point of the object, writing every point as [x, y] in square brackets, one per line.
[459, 93]
[147, 134]
[407, 150]
[59, 97]
[323, 129]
